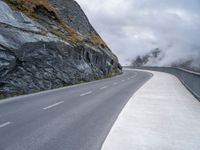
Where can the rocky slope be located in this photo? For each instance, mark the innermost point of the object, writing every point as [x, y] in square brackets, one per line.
[49, 44]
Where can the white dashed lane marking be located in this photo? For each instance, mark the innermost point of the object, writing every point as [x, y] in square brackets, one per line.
[51, 106]
[5, 124]
[87, 93]
[105, 87]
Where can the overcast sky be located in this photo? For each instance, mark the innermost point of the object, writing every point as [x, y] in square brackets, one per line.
[134, 27]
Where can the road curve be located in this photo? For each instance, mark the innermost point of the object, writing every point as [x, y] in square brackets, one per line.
[74, 118]
[162, 115]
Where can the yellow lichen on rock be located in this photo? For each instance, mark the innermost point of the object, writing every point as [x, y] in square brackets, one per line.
[97, 40]
[30, 8]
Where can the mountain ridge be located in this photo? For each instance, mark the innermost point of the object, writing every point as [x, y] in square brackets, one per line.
[155, 57]
[46, 45]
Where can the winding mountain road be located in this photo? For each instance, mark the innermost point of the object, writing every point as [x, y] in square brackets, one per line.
[72, 118]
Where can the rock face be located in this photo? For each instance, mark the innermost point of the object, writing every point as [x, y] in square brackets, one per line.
[49, 44]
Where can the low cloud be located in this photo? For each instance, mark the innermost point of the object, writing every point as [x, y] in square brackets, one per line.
[134, 27]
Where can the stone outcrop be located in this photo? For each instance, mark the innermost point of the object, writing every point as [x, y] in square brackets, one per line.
[49, 44]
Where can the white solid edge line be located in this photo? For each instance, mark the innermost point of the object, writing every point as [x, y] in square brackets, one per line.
[5, 124]
[87, 93]
[56, 104]
[105, 87]
[54, 90]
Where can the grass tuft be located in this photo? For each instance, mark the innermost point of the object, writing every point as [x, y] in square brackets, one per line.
[97, 40]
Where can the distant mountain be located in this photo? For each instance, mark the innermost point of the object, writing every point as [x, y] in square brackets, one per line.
[46, 44]
[149, 59]
[155, 56]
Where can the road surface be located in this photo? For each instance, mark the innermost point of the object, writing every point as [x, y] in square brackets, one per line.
[162, 115]
[74, 118]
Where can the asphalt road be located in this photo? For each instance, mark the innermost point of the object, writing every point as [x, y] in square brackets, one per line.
[73, 118]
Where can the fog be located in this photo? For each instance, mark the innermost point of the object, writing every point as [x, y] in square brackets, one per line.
[134, 27]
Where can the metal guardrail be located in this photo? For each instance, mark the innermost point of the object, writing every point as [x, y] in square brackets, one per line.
[190, 79]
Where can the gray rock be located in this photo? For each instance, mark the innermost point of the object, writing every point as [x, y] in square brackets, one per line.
[7, 62]
[73, 15]
[32, 58]
[17, 19]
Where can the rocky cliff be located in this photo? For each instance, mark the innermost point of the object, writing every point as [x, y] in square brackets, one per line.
[46, 44]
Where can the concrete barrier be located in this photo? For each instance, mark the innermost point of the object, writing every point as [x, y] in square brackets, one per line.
[190, 79]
